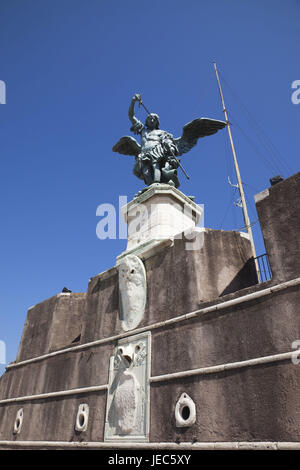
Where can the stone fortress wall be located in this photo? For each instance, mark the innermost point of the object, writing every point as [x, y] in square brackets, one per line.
[209, 361]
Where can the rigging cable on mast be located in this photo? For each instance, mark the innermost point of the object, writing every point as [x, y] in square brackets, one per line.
[272, 165]
[269, 146]
[233, 195]
[272, 158]
[244, 228]
[229, 167]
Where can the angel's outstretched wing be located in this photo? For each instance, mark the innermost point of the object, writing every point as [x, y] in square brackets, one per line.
[127, 146]
[196, 129]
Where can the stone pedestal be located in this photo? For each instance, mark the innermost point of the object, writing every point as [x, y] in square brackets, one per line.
[162, 212]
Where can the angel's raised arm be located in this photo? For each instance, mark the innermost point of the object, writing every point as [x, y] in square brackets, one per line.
[137, 126]
[131, 115]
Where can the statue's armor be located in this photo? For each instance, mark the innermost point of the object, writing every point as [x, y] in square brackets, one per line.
[153, 144]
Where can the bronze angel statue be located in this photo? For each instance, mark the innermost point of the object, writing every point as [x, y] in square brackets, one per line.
[156, 158]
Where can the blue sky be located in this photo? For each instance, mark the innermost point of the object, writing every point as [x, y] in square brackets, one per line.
[71, 68]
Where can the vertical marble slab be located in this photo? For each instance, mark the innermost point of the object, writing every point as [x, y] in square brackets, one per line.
[132, 291]
[128, 398]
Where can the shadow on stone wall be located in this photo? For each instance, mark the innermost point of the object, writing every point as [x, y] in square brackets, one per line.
[246, 277]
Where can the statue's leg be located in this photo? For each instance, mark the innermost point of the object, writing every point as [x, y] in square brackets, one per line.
[147, 174]
[156, 173]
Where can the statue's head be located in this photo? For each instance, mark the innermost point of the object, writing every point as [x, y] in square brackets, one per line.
[152, 121]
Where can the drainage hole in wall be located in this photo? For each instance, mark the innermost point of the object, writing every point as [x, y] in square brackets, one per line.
[81, 420]
[185, 413]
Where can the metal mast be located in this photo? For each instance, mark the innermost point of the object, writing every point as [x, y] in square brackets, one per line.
[238, 175]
